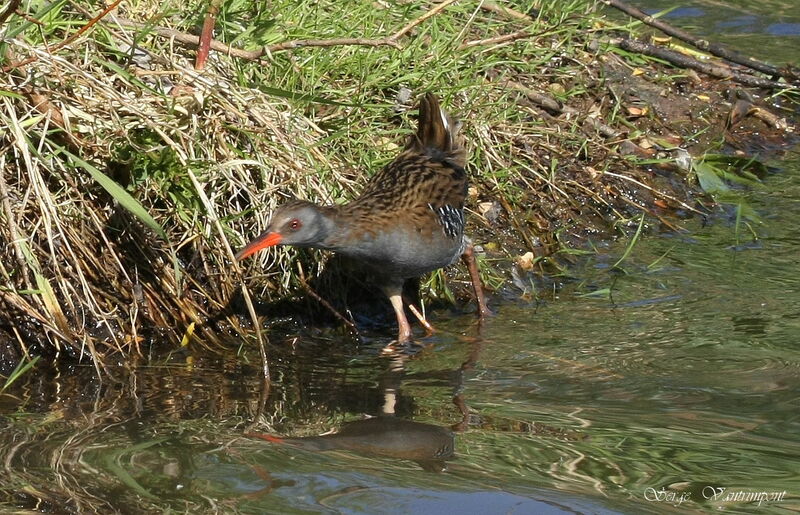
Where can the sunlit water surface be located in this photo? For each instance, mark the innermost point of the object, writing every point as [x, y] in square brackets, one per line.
[678, 392]
[767, 29]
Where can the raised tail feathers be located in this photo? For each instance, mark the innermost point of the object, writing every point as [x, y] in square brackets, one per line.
[438, 131]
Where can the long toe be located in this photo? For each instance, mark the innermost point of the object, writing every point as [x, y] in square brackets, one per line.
[429, 330]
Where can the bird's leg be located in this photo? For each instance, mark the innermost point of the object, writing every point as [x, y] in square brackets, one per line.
[472, 265]
[395, 295]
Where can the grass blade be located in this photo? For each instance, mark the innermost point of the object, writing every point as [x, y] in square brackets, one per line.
[120, 195]
[708, 178]
[22, 367]
[631, 243]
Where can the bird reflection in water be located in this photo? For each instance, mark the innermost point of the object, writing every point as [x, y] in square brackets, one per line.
[428, 445]
[385, 436]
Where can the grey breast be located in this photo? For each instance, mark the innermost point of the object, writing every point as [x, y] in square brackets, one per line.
[401, 253]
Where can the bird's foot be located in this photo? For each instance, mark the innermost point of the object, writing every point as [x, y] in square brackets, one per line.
[404, 349]
[484, 311]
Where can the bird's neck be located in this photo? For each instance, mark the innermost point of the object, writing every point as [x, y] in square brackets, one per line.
[340, 227]
[332, 224]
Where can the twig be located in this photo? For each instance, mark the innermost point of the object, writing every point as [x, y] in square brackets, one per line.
[650, 188]
[402, 32]
[310, 291]
[506, 38]
[606, 131]
[546, 102]
[555, 107]
[28, 17]
[504, 11]
[719, 71]
[205, 35]
[67, 41]
[12, 6]
[299, 43]
[650, 212]
[770, 119]
[428, 327]
[713, 48]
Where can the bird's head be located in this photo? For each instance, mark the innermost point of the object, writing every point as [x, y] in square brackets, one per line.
[298, 223]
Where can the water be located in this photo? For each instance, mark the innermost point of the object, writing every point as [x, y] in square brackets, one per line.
[681, 387]
[680, 392]
[768, 29]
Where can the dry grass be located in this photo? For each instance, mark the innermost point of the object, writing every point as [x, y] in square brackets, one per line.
[109, 274]
[208, 155]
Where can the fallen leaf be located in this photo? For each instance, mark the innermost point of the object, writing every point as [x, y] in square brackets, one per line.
[484, 207]
[526, 261]
[636, 111]
[187, 336]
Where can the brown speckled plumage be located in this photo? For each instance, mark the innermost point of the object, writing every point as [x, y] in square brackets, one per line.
[426, 176]
[409, 219]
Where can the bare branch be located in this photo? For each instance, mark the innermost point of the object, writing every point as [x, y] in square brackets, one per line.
[713, 48]
[433, 12]
[67, 41]
[205, 35]
[298, 43]
[720, 71]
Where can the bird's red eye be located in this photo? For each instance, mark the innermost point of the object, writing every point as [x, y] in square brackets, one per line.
[295, 224]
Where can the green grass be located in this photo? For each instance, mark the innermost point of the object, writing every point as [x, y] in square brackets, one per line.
[22, 367]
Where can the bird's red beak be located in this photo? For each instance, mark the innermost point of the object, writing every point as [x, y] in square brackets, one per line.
[269, 239]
